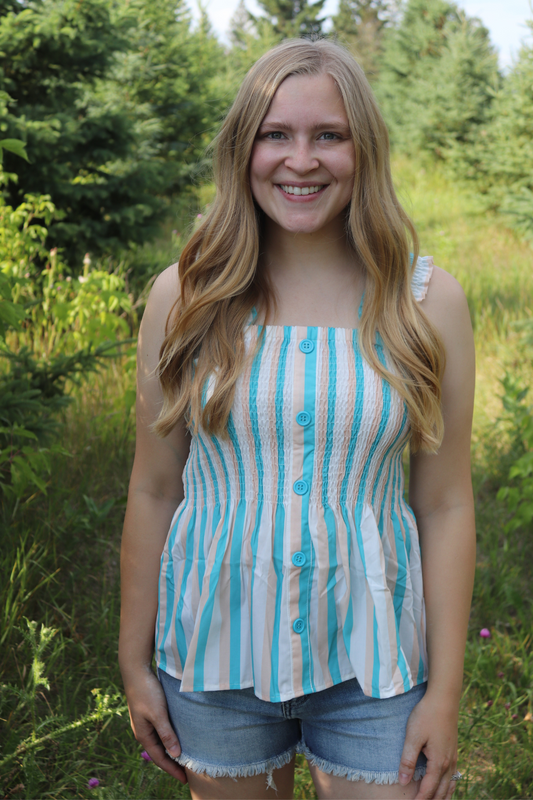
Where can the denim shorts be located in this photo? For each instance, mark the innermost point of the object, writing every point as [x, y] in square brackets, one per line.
[232, 733]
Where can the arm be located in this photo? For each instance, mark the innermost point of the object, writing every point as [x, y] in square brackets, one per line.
[155, 492]
[440, 493]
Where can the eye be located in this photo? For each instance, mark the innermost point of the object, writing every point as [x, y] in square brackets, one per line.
[275, 135]
[329, 137]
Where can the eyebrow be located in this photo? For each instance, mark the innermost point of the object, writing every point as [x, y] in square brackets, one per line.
[326, 125]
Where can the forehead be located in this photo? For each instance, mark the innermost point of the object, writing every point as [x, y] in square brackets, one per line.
[309, 96]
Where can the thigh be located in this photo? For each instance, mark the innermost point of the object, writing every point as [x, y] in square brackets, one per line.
[330, 787]
[232, 739]
[277, 785]
[358, 738]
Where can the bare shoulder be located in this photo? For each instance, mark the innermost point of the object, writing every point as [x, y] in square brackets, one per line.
[446, 306]
[165, 292]
[163, 296]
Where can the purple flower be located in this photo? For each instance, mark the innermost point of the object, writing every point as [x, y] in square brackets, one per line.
[501, 674]
[514, 716]
[146, 756]
[485, 633]
[199, 216]
[93, 783]
[507, 706]
[490, 703]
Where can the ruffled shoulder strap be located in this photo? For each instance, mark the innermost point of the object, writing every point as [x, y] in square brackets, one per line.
[421, 277]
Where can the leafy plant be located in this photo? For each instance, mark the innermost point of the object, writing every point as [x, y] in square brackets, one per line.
[518, 495]
[38, 640]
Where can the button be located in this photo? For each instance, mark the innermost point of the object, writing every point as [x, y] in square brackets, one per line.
[307, 346]
[299, 559]
[303, 418]
[301, 487]
[298, 625]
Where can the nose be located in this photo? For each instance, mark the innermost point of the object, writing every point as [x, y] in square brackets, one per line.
[301, 157]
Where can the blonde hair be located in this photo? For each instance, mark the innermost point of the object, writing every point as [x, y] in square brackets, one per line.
[220, 282]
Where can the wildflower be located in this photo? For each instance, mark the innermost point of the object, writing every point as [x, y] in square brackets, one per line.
[484, 633]
[174, 233]
[87, 259]
[53, 253]
[93, 783]
[501, 674]
[198, 216]
[514, 716]
[490, 703]
[507, 706]
[146, 756]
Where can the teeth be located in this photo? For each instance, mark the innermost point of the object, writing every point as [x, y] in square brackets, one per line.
[299, 191]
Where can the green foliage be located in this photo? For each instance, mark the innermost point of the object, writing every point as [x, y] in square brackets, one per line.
[114, 106]
[498, 162]
[54, 331]
[170, 70]
[37, 641]
[360, 25]
[292, 17]
[13, 146]
[519, 494]
[438, 76]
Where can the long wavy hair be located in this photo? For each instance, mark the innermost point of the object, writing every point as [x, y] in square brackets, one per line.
[220, 281]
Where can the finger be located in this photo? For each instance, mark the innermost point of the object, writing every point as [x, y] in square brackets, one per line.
[410, 753]
[168, 737]
[444, 786]
[155, 749]
[430, 782]
[451, 789]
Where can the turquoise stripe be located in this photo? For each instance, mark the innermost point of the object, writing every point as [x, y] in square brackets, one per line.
[306, 572]
[207, 613]
[329, 517]
[390, 485]
[203, 521]
[235, 569]
[279, 522]
[254, 383]
[385, 412]
[354, 435]
[181, 640]
[399, 587]
[169, 580]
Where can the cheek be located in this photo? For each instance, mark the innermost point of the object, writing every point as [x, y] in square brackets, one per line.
[259, 167]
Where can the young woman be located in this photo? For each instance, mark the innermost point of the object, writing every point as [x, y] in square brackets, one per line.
[298, 603]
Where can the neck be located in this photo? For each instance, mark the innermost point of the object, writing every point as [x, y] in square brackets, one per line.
[290, 255]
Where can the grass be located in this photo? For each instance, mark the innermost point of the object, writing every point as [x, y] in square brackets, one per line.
[60, 551]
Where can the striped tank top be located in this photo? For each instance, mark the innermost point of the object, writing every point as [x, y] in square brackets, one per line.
[293, 562]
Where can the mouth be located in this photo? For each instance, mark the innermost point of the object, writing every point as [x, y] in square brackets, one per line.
[301, 194]
[301, 191]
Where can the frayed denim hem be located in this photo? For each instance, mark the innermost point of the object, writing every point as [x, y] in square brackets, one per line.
[379, 778]
[243, 771]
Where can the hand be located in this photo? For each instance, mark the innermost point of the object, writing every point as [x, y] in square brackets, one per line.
[432, 729]
[150, 723]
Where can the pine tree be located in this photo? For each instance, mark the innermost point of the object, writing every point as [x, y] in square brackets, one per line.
[113, 102]
[293, 17]
[360, 24]
[241, 26]
[498, 160]
[437, 80]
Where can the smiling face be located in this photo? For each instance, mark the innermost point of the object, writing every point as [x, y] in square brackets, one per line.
[303, 162]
